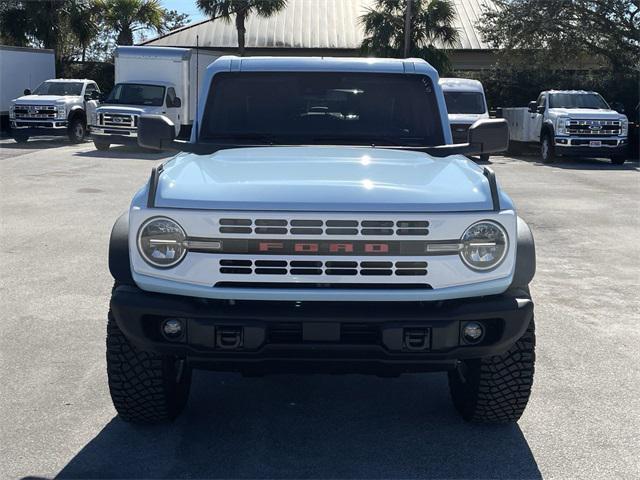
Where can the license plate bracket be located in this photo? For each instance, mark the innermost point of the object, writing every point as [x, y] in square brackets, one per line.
[595, 143]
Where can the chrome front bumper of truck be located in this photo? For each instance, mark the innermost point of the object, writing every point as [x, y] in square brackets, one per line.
[590, 146]
[365, 337]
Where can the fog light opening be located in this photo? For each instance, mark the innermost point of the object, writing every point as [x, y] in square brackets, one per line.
[472, 332]
[172, 328]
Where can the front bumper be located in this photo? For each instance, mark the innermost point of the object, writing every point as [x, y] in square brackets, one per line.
[39, 127]
[364, 337]
[581, 146]
[114, 136]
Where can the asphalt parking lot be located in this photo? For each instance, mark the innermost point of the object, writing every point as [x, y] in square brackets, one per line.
[58, 203]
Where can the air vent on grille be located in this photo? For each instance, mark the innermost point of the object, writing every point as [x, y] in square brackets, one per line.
[316, 268]
[312, 227]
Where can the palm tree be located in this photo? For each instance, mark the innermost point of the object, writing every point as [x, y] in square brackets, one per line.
[430, 23]
[126, 17]
[241, 9]
[84, 23]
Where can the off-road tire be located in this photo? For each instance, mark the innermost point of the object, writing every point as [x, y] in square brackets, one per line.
[547, 149]
[77, 130]
[101, 146]
[20, 138]
[145, 387]
[495, 389]
[618, 159]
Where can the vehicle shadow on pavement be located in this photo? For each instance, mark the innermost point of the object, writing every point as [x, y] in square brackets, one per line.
[37, 143]
[579, 163]
[310, 427]
[126, 152]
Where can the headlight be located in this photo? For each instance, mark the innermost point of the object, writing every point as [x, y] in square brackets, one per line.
[12, 113]
[161, 242]
[94, 119]
[561, 126]
[624, 127]
[61, 111]
[484, 245]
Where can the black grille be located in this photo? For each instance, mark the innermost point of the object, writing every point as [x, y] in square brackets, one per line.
[279, 226]
[329, 268]
[350, 333]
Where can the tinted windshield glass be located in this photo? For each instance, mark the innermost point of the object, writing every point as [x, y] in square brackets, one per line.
[305, 107]
[136, 94]
[464, 102]
[577, 100]
[58, 88]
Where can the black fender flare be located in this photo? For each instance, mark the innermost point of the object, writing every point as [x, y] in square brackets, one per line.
[77, 111]
[119, 262]
[525, 268]
[547, 127]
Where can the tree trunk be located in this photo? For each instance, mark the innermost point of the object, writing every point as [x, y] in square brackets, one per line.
[407, 30]
[240, 17]
[125, 37]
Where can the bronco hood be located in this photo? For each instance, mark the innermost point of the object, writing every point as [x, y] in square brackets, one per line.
[323, 179]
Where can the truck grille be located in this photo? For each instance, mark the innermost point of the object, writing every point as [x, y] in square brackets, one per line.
[118, 120]
[34, 111]
[323, 227]
[594, 127]
[320, 268]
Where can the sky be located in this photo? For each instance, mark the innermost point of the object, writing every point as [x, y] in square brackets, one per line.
[184, 6]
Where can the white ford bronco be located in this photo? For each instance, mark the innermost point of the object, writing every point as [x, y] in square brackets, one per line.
[320, 219]
[55, 107]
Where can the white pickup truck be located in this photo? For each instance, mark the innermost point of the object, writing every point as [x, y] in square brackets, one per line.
[570, 123]
[149, 80]
[55, 107]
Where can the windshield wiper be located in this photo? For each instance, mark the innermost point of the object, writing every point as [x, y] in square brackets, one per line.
[253, 137]
[368, 140]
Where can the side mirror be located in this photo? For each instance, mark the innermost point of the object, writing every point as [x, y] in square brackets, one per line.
[156, 132]
[87, 97]
[27, 91]
[533, 107]
[541, 109]
[489, 135]
[177, 103]
[95, 95]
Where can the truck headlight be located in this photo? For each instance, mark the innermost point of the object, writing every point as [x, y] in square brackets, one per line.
[61, 111]
[624, 127]
[94, 119]
[161, 242]
[12, 111]
[562, 126]
[484, 245]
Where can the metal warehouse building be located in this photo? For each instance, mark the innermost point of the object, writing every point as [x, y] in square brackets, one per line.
[323, 27]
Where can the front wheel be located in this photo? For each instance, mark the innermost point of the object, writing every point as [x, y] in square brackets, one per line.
[547, 149]
[145, 387]
[101, 146]
[618, 159]
[77, 130]
[495, 389]
[20, 138]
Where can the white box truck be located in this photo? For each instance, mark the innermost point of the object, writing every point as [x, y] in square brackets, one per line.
[21, 69]
[150, 80]
[466, 104]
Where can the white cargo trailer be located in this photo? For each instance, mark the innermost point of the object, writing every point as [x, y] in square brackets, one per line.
[22, 68]
[150, 80]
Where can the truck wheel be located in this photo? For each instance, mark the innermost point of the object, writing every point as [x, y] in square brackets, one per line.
[102, 146]
[145, 387]
[618, 159]
[77, 130]
[495, 389]
[547, 150]
[20, 138]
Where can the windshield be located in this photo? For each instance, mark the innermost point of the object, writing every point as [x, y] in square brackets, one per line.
[322, 108]
[577, 100]
[465, 102]
[136, 94]
[58, 88]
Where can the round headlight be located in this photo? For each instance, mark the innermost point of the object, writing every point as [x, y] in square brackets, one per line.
[484, 245]
[161, 242]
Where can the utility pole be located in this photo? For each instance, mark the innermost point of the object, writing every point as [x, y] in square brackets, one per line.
[407, 29]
